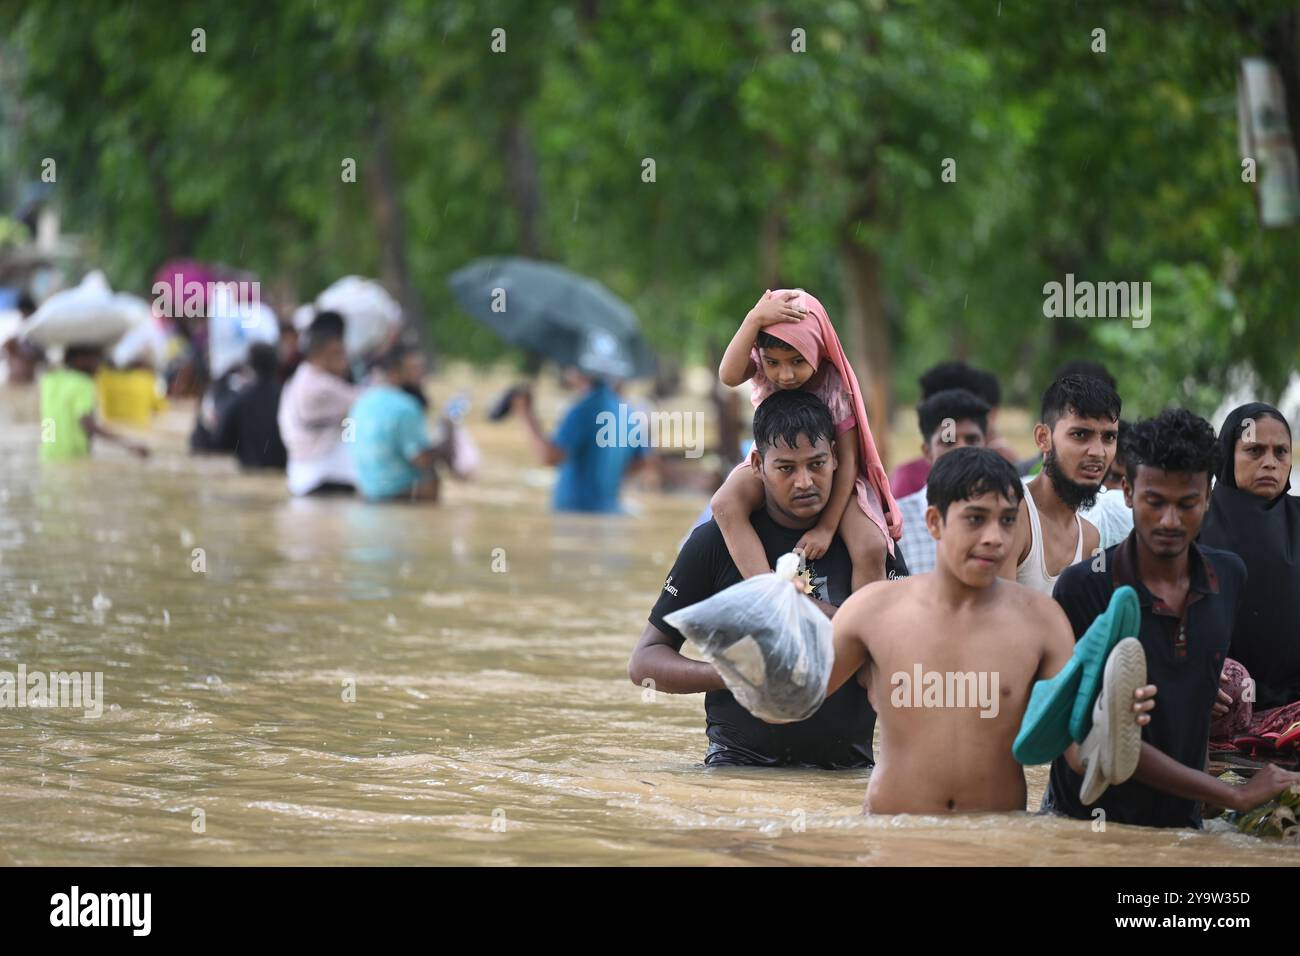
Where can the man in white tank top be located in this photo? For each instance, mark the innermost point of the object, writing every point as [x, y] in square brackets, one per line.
[1076, 435]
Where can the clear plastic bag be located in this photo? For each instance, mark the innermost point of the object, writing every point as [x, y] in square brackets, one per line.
[771, 644]
[464, 452]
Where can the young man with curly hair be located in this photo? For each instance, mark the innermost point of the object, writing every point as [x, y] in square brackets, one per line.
[1189, 594]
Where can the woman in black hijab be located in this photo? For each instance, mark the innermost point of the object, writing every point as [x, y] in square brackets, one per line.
[1252, 515]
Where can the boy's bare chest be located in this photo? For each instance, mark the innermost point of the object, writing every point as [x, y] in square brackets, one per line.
[947, 644]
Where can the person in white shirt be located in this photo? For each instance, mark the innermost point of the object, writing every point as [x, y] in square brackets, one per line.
[1076, 434]
[1113, 518]
[953, 418]
[313, 408]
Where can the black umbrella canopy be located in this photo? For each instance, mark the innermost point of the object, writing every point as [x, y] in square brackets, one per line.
[546, 309]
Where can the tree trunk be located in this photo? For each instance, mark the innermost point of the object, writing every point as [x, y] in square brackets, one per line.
[177, 232]
[522, 185]
[864, 320]
[383, 193]
[772, 229]
[769, 248]
[1281, 41]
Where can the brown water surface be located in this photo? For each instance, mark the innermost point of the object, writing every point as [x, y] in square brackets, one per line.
[493, 721]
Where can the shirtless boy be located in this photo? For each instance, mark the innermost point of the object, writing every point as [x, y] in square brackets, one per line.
[951, 752]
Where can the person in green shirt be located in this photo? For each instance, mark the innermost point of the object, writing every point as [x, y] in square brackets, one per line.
[68, 408]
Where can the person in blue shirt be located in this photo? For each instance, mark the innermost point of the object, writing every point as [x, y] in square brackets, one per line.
[591, 465]
[391, 450]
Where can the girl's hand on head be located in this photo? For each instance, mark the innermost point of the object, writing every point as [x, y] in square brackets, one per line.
[771, 310]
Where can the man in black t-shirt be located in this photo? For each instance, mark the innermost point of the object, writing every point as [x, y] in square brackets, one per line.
[247, 425]
[794, 455]
[1189, 595]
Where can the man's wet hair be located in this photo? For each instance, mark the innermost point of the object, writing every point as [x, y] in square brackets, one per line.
[786, 415]
[1122, 429]
[1088, 368]
[989, 388]
[1175, 440]
[392, 359]
[766, 340]
[1084, 395]
[966, 473]
[263, 359]
[26, 304]
[953, 403]
[949, 375]
[328, 326]
[75, 353]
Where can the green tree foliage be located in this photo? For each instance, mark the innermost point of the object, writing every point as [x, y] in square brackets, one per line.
[792, 144]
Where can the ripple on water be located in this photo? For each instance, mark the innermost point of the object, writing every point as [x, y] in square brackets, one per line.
[490, 717]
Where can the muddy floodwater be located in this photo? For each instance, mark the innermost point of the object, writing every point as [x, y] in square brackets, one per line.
[483, 643]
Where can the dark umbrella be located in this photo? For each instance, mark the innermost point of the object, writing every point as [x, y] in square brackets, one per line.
[548, 310]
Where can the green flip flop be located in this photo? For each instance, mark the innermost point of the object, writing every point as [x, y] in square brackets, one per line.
[1060, 708]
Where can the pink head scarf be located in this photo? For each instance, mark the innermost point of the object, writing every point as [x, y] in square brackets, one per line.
[814, 338]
